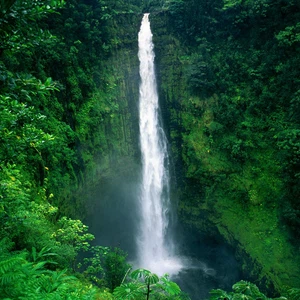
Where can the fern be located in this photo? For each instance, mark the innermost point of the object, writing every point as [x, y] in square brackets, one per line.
[10, 264]
[40, 256]
[9, 278]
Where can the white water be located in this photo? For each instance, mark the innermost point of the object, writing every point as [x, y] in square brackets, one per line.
[155, 248]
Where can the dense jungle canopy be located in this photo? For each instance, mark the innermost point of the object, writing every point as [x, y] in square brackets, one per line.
[229, 84]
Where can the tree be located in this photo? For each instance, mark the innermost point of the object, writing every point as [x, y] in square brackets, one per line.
[19, 29]
[106, 266]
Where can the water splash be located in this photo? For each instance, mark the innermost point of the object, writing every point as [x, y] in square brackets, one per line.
[155, 247]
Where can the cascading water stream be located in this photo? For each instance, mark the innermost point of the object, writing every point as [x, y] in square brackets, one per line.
[155, 248]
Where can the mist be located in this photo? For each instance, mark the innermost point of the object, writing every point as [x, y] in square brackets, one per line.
[209, 263]
[112, 212]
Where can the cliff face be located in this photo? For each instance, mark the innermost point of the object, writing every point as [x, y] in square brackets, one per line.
[228, 172]
[115, 142]
[224, 138]
[122, 66]
[107, 126]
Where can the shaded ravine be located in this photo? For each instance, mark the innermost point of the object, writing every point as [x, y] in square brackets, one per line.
[115, 217]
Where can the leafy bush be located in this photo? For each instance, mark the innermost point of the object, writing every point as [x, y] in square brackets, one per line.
[143, 283]
[242, 290]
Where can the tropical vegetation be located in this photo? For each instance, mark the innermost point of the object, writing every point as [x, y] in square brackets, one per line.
[230, 95]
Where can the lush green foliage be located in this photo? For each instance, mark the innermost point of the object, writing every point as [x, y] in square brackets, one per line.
[57, 105]
[234, 120]
[106, 267]
[144, 283]
[40, 282]
[241, 290]
[19, 28]
[231, 88]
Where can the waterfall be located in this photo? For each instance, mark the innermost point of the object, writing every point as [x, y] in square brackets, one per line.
[155, 248]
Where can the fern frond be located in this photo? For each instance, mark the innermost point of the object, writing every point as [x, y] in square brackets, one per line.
[11, 263]
[44, 252]
[10, 278]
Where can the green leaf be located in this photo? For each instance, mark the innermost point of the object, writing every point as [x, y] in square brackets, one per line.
[129, 291]
[170, 287]
[151, 279]
[220, 294]
[11, 263]
[248, 288]
[140, 273]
